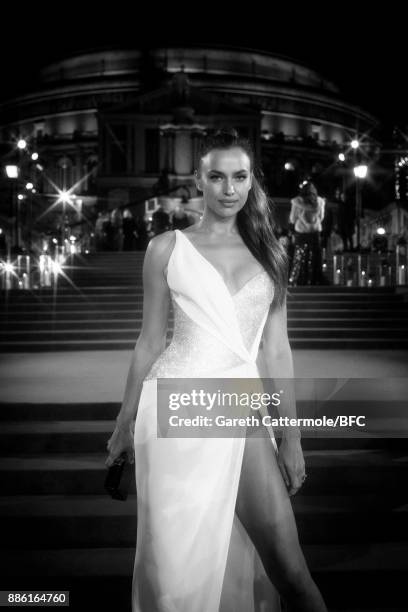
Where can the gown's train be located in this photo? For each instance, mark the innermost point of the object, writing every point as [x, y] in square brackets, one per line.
[192, 553]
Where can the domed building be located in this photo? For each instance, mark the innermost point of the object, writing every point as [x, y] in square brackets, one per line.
[116, 127]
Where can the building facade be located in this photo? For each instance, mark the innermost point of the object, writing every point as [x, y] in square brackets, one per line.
[108, 126]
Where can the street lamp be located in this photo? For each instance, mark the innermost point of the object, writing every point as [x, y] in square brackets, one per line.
[360, 172]
[12, 172]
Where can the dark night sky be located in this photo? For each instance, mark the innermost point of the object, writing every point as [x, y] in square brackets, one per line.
[364, 53]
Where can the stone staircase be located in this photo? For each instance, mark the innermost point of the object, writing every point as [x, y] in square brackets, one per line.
[59, 530]
[100, 308]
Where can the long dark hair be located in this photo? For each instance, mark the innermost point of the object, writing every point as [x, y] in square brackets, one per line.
[304, 191]
[256, 220]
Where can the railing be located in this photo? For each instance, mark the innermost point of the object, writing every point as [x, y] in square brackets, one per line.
[344, 269]
[369, 269]
[37, 271]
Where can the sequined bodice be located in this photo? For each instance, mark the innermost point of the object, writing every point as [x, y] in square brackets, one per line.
[194, 351]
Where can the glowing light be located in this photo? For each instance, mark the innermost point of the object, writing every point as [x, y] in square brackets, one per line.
[56, 268]
[64, 197]
[1, 230]
[354, 144]
[8, 267]
[289, 166]
[12, 171]
[381, 231]
[34, 190]
[342, 157]
[72, 238]
[39, 167]
[360, 171]
[22, 144]
[29, 186]
[55, 241]
[34, 156]
[20, 197]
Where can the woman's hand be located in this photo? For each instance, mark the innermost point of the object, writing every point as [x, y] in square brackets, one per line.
[292, 464]
[121, 441]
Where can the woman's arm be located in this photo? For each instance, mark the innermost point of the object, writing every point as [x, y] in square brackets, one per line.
[279, 366]
[279, 362]
[149, 345]
[322, 203]
[152, 339]
[293, 212]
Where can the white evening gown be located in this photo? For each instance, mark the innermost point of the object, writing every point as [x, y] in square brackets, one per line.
[192, 552]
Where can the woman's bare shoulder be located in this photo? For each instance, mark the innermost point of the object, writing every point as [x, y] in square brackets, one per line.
[159, 250]
[160, 244]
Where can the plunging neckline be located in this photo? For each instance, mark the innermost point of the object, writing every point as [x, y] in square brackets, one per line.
[232, 295]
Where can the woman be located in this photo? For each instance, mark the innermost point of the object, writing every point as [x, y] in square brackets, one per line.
[307, 213]
[216, 530]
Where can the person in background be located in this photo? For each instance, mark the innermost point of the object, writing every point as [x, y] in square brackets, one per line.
[116, 220]
[160, 221]
[109, 233]
[346, 218]
[142, 236]
[128, 230]
[380, 243]
[180, 219]
[307, 214]
[99, 231]
[335, 241]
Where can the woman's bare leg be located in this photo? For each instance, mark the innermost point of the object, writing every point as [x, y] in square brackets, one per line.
[264, 508]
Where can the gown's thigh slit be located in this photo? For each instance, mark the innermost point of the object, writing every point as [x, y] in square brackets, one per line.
[264, 509]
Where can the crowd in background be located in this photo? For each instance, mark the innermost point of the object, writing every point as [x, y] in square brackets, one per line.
[116, 231]
[311, 236]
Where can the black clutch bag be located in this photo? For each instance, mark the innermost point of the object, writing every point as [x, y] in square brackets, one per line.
[119, 477]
